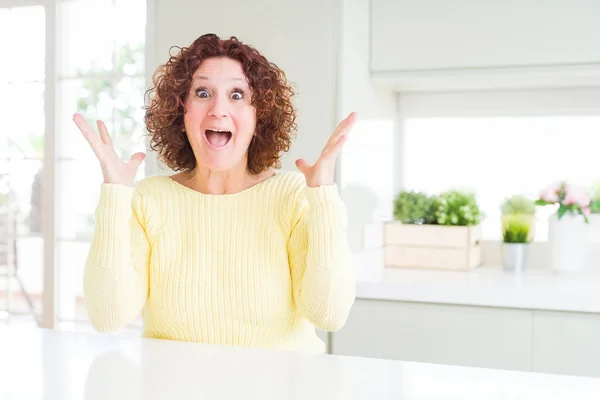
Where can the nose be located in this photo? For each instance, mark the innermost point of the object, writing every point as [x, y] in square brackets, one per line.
[219, 107]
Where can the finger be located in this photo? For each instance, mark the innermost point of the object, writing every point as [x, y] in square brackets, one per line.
[342, 131]
[104, 135]
[345, 126]
[334, 150]
[87, 131]
[136, 160]
[302, 166]
[336, 132]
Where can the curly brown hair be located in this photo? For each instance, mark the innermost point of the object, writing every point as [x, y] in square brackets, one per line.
[272, 99]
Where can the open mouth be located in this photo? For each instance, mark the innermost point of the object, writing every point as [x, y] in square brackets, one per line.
[218, 137]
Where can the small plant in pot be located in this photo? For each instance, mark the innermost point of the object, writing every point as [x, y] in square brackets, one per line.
[434, 231]
[516, 241]
[595, 200]
[519, 205]
[458, 208]
[413, 207]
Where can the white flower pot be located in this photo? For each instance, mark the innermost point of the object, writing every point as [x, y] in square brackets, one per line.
[515, 256]
[567, 240]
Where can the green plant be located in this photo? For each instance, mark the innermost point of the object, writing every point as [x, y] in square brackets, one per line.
[430, 215]
[517, 204]
[595, 202]
[413, 207]
[516, 229]
[458, 208]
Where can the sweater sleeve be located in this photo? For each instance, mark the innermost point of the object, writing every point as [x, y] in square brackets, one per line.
[115, 280]
[323, 275]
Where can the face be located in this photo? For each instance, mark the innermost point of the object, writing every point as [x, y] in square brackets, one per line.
[220, 120]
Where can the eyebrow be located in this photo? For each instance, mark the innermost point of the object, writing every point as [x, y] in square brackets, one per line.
[206, 78]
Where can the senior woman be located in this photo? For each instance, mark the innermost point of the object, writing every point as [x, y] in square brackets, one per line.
[230, 249]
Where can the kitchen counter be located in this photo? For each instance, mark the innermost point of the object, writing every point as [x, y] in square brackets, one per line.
[487, 286]
[53, 365]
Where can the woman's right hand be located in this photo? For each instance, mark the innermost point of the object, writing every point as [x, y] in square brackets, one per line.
[113, 169]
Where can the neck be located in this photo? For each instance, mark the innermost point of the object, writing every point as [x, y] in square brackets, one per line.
[208, 181]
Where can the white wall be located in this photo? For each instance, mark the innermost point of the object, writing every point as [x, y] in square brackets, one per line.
[362, 166]
[357, 92]
[300, 37]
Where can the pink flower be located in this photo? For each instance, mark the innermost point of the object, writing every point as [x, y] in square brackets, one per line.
[550, 193]
[587, 211]
[576, 195]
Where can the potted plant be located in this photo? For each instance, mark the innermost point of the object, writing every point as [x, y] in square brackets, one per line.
[516, 241]
[595, 198]
[518, 205]
[567, 226]
[593, 228]
[434, 231]
[413, 207]
[458, 208]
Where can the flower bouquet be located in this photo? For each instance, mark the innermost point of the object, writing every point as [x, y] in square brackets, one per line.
[571, 199]
[566, 229]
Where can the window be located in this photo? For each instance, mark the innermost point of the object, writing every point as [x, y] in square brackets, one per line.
[498, 156]
[99, 53]
[21, 158]
[101, 76]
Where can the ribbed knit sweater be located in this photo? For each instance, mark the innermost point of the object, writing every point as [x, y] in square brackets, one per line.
[259, 268]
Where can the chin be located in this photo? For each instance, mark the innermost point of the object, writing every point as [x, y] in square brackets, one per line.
[220, 162]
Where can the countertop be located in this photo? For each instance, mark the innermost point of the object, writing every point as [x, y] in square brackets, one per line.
[60, 365]
[489, 286]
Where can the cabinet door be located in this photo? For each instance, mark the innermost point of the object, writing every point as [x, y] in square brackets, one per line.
[446, 334]
[566, 343]
[324, 336]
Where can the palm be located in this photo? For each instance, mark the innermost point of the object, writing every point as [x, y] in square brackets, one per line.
[323, 171]
[114, 170]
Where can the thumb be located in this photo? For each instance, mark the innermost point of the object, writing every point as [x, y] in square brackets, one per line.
[302, 165]
[137, 159]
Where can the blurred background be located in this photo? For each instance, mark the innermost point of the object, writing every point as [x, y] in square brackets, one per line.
[499, 98]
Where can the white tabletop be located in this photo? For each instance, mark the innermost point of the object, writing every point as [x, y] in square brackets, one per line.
[484, 286]
[58, 365]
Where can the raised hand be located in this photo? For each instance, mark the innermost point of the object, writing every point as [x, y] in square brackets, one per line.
[323, 171]
[113, 169]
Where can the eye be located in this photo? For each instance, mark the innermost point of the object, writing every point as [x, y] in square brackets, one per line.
[202, 93]
[237, 95]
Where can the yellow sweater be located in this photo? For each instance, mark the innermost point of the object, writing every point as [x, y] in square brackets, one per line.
[258, 268]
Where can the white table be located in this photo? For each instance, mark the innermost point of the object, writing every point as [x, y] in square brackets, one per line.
[53, 365]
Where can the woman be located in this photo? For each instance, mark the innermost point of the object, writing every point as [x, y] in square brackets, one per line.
[229, 250]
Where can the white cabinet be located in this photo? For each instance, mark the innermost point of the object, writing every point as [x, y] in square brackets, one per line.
[500, 338]
[408, 35]
[566, 343]
[447, 334]
[324, 336]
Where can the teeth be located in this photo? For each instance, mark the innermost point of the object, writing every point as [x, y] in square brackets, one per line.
[219, 130]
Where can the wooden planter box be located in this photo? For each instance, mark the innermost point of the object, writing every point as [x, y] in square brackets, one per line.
[432, 246]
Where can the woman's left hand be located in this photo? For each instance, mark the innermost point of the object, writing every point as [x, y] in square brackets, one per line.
[323, 171]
